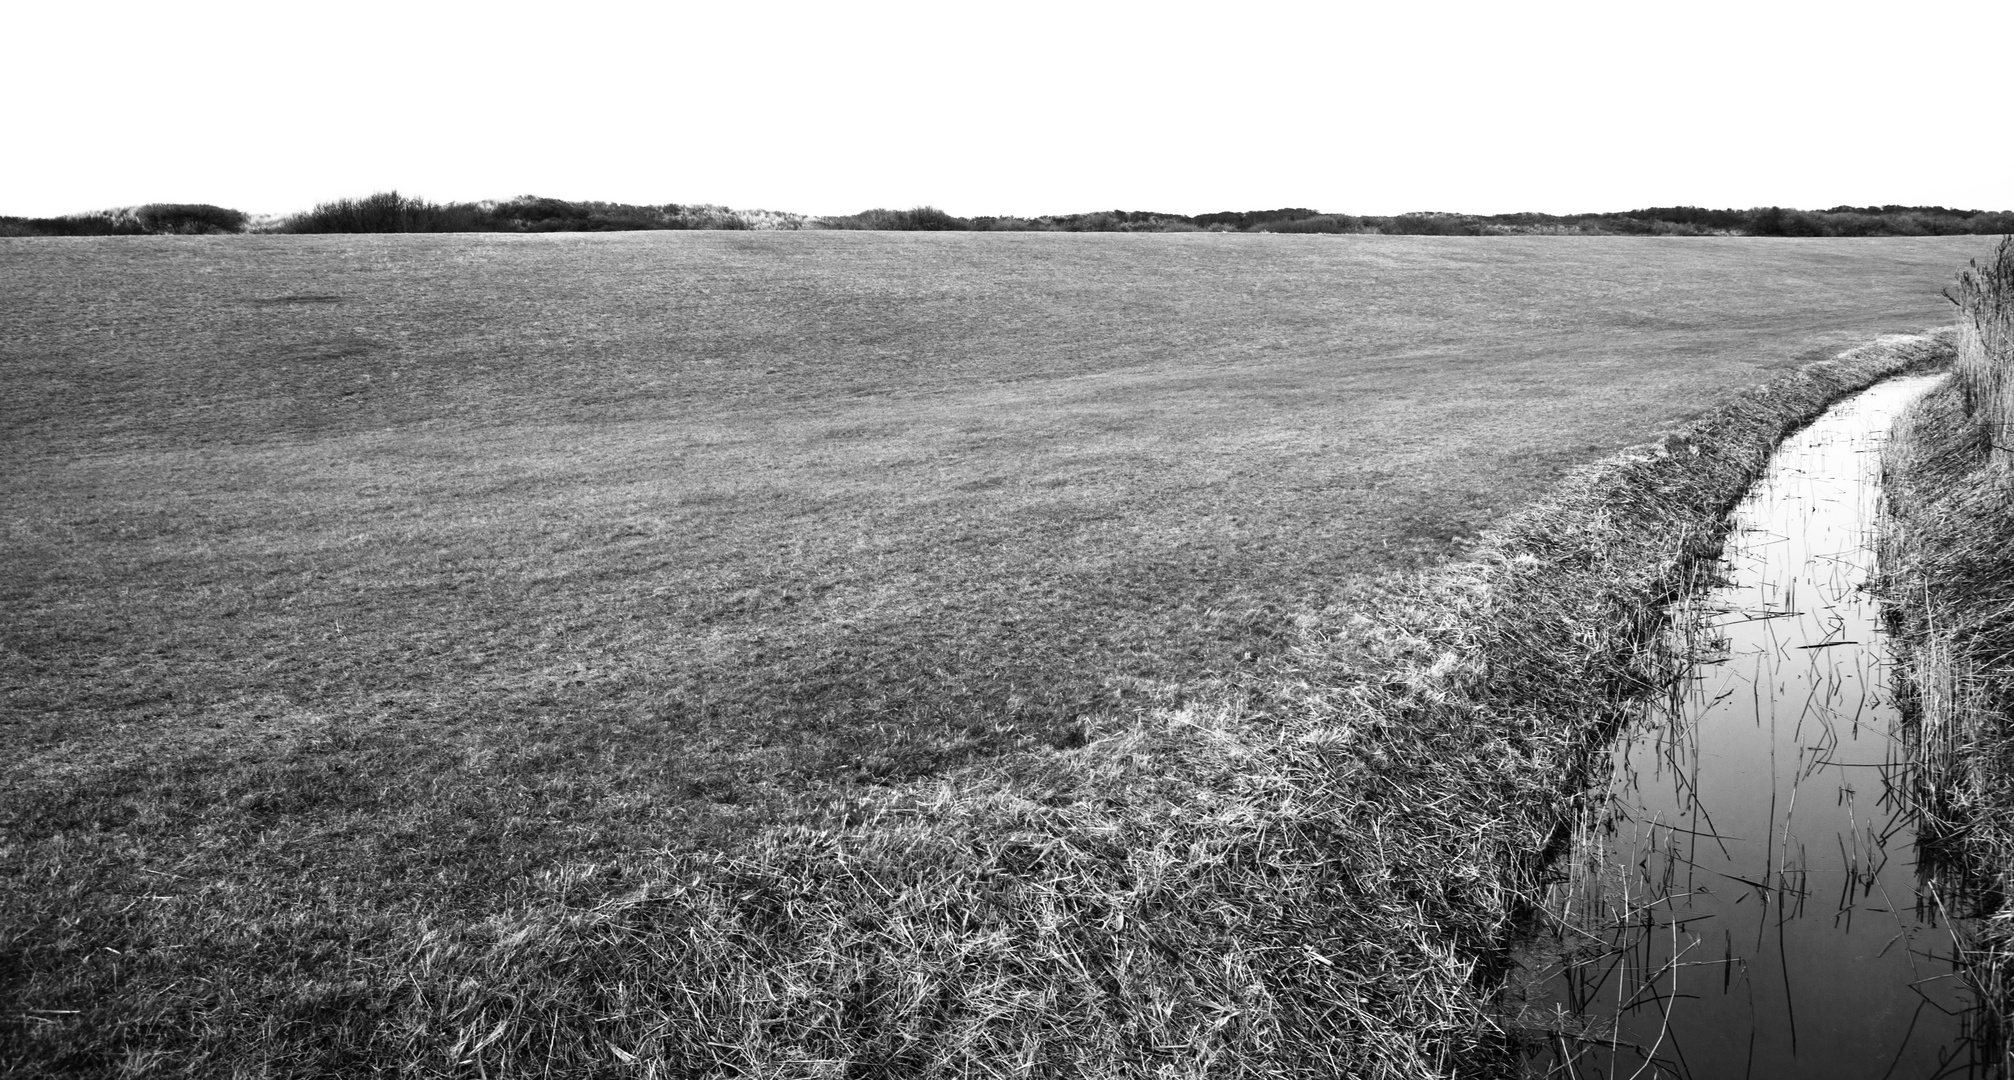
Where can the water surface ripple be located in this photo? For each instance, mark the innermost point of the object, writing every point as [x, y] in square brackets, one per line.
[1746, 902]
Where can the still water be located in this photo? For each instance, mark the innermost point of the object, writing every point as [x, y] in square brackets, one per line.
[1745, 902]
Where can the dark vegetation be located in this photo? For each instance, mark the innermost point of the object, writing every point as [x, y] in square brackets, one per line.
[1654, 221]
[153, 219]
[390, 212]
[785, 655]
[1948, 562]
[920, 219]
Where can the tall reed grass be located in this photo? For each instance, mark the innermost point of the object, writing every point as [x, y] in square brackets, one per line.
[1947, 558]
[1947, 574]
[1985, 369]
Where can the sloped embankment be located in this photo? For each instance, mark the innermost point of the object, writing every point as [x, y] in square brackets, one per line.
[1948, 561]
[1947, 552]
[1308, 875]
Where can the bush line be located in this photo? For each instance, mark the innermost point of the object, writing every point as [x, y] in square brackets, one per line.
[1315, 872]
[153, 219]
[390, 212]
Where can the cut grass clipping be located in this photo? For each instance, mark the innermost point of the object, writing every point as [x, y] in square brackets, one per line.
[1311, 876]
[1947, 556]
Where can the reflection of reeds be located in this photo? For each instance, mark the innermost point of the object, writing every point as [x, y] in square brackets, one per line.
[1641, 920]
[1618, 919]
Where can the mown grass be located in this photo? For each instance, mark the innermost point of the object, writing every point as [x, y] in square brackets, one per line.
[368, 596]
[1947, 556]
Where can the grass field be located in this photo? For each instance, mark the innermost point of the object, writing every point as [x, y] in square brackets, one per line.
[359, 587]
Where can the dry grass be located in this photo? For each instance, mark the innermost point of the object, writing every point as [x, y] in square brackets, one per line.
[1985, 370]
[386, 614]
[1948, 566]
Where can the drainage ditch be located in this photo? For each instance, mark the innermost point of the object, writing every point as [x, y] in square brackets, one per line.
[1742, 897]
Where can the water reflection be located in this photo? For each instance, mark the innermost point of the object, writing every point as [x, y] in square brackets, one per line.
[1746, 901]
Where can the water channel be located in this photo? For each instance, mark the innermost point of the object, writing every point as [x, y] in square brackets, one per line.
[1746, 901]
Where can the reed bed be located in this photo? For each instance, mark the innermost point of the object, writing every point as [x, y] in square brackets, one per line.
[1984, 372]
[1947, 557]
[1314, 870]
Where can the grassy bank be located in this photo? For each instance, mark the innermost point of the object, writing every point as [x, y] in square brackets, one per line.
[1308, 873]
[1948, 566]
[369, 598]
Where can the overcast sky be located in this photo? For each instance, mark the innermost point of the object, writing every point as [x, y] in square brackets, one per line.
[1023, 108]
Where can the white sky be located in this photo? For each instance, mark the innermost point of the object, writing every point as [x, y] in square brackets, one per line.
[1025, 108]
